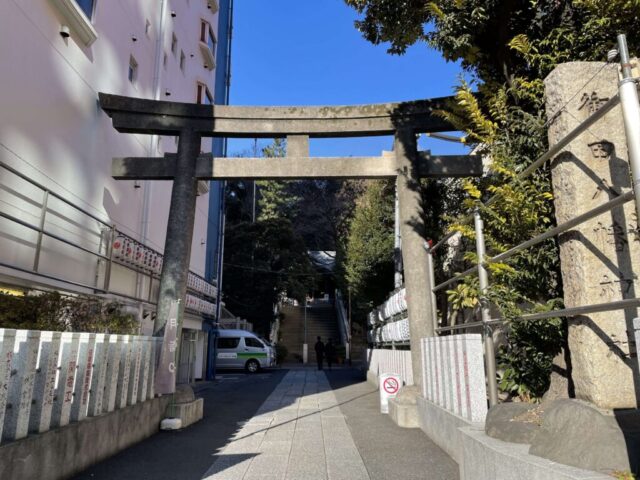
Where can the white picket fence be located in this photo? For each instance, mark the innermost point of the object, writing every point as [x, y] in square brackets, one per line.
[381, 361]
[49, 379]
[453, 375]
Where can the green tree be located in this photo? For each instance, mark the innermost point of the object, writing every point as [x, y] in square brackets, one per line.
[368, 261]
[275, 198]
[263, 260]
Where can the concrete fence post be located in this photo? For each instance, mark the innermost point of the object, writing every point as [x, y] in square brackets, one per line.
[144, 368]
[98, 378]
[134, 378]
[69, 345]
[7, 342]
[113, 369]
[125, 372]
[45, 382]
[86, 353]
[23, 371]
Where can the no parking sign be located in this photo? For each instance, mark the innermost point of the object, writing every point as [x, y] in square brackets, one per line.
[389, 383]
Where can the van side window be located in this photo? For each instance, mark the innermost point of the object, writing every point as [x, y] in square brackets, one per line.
[226, 342]
[253, 342]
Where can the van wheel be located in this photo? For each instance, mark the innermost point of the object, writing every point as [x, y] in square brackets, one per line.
[252, 366]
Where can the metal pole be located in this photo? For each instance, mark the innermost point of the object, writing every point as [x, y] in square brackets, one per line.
[489, 350]
[631, 115]
[107, 269]
[397, 255]
[43, 214]
[432, 279]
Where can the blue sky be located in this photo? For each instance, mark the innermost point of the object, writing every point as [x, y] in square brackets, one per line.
[303, 52]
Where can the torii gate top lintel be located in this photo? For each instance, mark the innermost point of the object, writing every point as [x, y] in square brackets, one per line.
[135, 115]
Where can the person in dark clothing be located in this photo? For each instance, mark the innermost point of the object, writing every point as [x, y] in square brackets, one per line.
[319, 348]
[330, 353]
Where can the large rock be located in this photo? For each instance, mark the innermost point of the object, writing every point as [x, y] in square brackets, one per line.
[597, 257]
[514, 422]
[577, 434]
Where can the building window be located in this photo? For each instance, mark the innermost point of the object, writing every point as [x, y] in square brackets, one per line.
[206, 36]
[204, 95]
[182, 60]
[87, 7]
[174, 44]
[147, 27]
[133, 70]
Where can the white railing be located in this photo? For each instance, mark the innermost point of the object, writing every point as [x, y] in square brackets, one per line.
[453, 374]
[343, 320]
[49, 379]
[381, 361]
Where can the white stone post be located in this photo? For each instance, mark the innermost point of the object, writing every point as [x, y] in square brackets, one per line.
[99, 376]
[69, 345]
[45, 382]
[113, 369]
[125, 372]
[86, 353]
[23, 371]
[144, 368]
[134, 378]
[7, 341]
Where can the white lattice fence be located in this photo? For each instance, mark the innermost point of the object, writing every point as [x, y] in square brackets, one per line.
[49, 379]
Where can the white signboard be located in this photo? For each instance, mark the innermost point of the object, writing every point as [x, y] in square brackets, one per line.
[389, 383]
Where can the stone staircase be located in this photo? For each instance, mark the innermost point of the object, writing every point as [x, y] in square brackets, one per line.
[321, 321]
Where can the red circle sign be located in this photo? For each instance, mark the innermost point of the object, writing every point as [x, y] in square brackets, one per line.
[390, 386]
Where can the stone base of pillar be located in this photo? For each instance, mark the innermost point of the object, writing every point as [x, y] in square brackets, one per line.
[403, 409]
[186, 406]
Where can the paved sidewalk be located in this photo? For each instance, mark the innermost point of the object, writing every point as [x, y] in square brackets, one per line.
[299, 432]
[311, 429]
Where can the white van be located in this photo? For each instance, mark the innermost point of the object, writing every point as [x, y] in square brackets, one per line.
[243, 349]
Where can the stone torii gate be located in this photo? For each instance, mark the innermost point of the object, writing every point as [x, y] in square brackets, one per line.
[191, 122]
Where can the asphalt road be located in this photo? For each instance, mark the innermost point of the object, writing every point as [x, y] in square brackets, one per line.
[187, 454]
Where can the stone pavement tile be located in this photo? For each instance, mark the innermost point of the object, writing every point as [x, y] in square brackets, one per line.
[268, 464]
[274, 435]
[308, 465]
[263, 477]
[276, 446]
[229, 467]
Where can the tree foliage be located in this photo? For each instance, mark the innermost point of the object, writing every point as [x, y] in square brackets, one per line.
[55, 312]
[368, 259]
[262, 261]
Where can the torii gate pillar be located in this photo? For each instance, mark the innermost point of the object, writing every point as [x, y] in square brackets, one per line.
[414, 257]
[182, 212]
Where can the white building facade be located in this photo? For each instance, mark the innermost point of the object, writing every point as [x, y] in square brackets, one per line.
[65, 224]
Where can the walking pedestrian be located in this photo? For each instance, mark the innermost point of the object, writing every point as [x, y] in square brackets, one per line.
[330, 353]
[319, 348]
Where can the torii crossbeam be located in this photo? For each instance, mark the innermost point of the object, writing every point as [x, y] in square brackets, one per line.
[191, 122]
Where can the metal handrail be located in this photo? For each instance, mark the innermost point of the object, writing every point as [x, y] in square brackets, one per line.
[52, 193]
[564, 312]
[107, 257]
[622, 199]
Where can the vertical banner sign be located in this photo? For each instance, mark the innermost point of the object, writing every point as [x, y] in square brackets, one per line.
[166, 374]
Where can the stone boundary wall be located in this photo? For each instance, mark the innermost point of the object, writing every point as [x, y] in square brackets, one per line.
[52, 379]
[454, 376]
[381, 361]
[64, 452]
